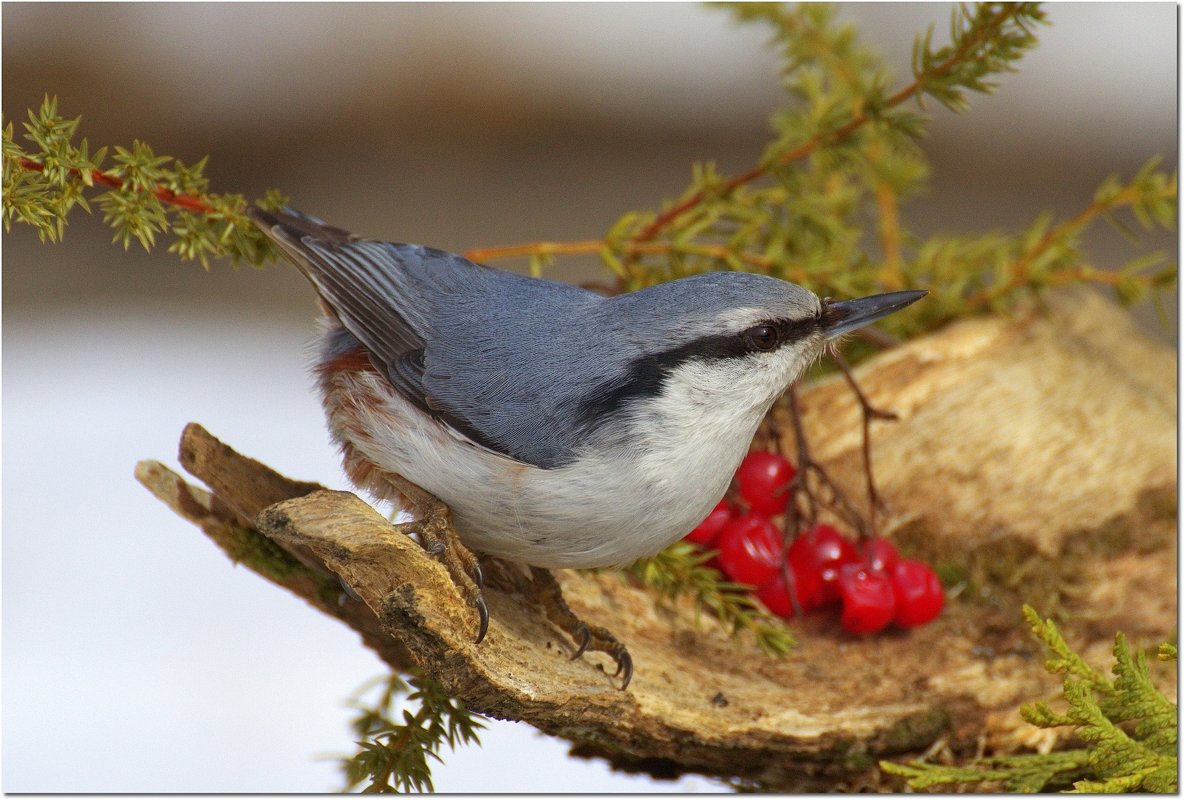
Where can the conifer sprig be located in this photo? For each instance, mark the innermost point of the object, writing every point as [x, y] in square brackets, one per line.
[1128, 725]
[682, 569]
[394, 750]
[146, 194]
[817, 53]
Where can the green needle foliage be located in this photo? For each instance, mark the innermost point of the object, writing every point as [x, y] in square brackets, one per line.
[682, 569]
[845, 154]
[145, 195]
[1128, 726]
[394, 750]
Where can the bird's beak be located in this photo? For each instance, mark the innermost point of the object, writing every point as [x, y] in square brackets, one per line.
[847, 315]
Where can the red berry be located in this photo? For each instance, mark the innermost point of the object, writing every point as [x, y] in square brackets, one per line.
[764, 478]
[750, 549]
[868, 601]
[919, 596]
[880, 554]
[826, 550]
[708, 530]
[801, 561]
[775, 595]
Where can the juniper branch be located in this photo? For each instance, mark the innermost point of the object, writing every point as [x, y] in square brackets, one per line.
[393, 755]
[682, 569]
[146, 194]
[1116, 758]
[1151, 194]
[925, 79]
[804, 222]
[95, 176]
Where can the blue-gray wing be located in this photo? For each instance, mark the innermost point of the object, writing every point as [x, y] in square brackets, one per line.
[355, 277]
[481, 350]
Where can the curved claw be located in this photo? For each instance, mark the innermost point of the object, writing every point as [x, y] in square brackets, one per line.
[585, 639]
[345, 587]
[483, 619]
[624, 664]
[478, 576]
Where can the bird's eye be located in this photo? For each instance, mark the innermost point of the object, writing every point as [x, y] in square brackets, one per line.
[762, 337]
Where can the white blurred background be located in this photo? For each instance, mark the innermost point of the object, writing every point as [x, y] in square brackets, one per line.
[135, 658]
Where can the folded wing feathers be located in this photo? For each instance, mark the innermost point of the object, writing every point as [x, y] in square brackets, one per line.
[363, 293]
[354, 276]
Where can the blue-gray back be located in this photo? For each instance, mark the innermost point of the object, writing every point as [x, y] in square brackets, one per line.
[518, 364]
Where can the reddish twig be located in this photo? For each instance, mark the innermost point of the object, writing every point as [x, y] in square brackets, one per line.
[165, 195]
[482, 254]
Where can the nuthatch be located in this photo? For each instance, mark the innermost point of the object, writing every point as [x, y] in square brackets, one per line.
[561, 428]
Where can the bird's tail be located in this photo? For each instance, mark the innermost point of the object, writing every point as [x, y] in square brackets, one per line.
[297, 224]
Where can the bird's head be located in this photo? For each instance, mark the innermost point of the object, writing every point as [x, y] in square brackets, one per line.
[733, 341]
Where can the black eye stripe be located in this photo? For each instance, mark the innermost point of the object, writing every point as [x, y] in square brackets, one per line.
[734, 345]
[786, 331]
[647, 374]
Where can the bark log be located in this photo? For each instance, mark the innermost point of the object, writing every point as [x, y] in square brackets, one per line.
[1034, 456]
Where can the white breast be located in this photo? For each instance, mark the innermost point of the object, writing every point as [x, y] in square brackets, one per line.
[665, 471]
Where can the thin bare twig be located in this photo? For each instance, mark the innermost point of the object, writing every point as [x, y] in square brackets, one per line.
[800, 487]
[868, 412]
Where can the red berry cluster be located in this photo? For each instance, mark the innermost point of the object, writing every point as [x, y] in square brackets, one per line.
[876, 587]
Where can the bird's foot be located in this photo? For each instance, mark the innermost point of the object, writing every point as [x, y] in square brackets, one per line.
[545, 590]
[439, 539]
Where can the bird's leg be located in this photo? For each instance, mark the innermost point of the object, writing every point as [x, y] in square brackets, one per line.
[439, 538]
[545, 591]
